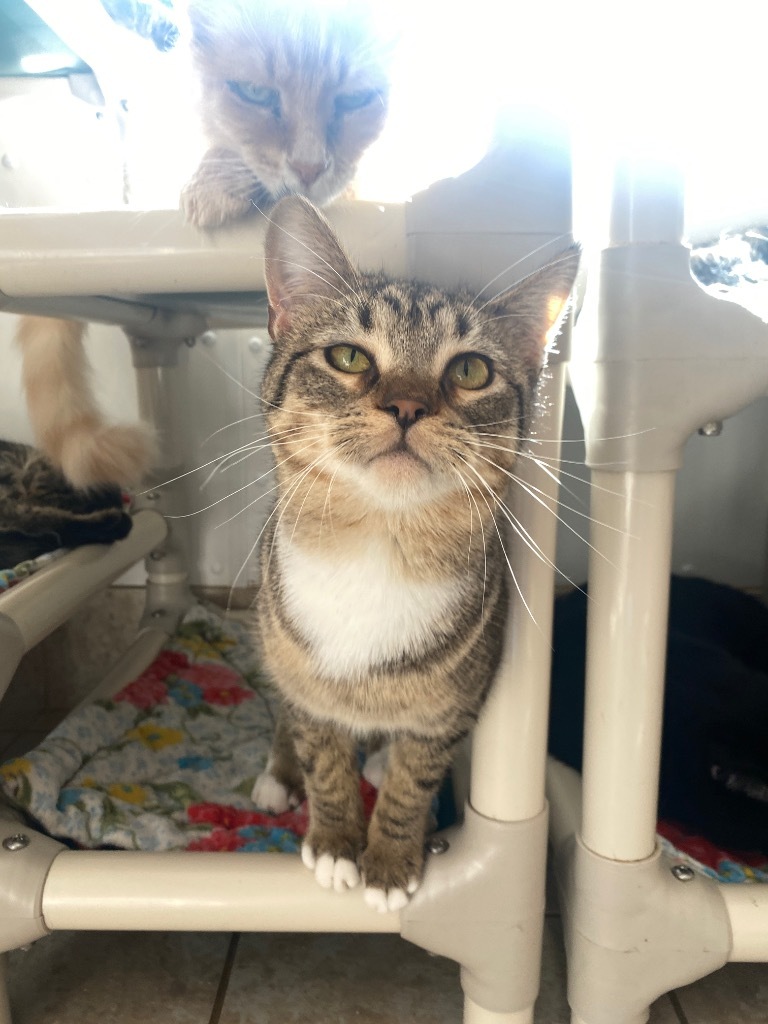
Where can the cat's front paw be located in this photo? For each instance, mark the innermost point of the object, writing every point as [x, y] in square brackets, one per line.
[389, 881]
[271, 795]
[208, 208]
[387, 900]
[337, 873]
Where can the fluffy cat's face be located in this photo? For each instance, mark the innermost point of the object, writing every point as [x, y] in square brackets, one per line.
[297, 93]
[402, 391]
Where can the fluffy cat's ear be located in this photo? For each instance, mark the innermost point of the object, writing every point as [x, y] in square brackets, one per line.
[304, 262]
[540, 301]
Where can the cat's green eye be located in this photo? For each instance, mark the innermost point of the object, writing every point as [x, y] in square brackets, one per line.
[469, 372]
[348, 359]
[258, 95]
[349, 101]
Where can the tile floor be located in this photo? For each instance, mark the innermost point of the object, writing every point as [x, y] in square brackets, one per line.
[185, 978]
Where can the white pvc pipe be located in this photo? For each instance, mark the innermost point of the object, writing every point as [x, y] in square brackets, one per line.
[564, 796]
[47, 599]
[747, 907]
[474, 1014]
[134, 891]
[626, 652]
[510, 740]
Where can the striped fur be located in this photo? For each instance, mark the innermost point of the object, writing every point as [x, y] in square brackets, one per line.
[384, 584]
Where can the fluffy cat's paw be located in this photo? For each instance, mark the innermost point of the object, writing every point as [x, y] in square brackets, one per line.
[387, 900]
[337, 873]
[391, 876]
[209, 208]
[271, 795]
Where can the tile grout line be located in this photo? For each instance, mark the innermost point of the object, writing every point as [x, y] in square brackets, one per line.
[226, 971]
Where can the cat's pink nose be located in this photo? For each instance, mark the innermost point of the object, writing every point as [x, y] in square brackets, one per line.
[308, 173]
[406, 410]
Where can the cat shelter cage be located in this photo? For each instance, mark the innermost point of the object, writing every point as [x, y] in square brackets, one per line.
[655, 351]
[482, 901]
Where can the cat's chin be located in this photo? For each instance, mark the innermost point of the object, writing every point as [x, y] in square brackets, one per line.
[399, 480]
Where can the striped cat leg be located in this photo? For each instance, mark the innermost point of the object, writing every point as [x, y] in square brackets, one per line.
[328, 759]
[280, 786]
[394, 858]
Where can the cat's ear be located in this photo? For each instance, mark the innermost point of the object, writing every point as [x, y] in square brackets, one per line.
[540, 301]
[304, 262]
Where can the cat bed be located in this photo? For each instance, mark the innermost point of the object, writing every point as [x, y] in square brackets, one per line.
[167, 763]
[713, 790]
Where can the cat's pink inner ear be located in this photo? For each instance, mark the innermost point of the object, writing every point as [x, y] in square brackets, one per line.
[557, 309]
[279, 319]
[278, 295]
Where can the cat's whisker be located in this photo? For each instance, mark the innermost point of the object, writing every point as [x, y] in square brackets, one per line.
[327, 502]
[542, 461]
[494, 298]
[517, 526]
[501, 539]
[253, 394]
[309, 489]
[555, 476]
[522, 533]
[317, 255]
[258, 479]
[234, 423]
[288, 497]
[260, 448]
[471, 498]
[528, 255]
[313, 273]
[255, 446]
[255, 501]
[188, 472]
[536, 491]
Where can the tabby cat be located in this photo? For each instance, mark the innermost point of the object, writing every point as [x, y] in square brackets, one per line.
[292, 94]
[396, 411]
[40, 511]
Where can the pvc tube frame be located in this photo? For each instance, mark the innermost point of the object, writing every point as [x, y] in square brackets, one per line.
[666, 358]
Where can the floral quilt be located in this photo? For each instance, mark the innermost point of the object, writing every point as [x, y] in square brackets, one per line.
[169, 762]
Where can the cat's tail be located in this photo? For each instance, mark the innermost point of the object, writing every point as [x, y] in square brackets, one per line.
[68, 425]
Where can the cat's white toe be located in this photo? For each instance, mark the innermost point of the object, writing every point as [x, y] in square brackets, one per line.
[269, 794]
[386, 901]
[337, 873]
[307, 856]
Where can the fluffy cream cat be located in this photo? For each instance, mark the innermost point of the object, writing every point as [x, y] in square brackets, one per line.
[292, 94]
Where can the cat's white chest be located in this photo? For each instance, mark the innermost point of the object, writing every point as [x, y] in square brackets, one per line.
[358, 612]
